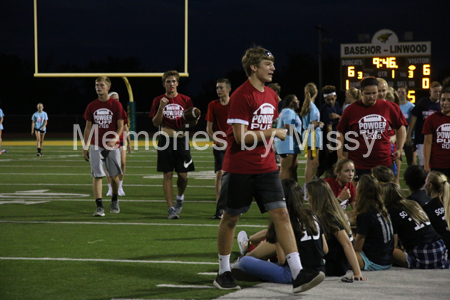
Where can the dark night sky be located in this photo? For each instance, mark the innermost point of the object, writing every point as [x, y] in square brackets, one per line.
[79, 32]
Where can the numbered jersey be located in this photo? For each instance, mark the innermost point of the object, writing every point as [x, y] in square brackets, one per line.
[411, 232]
[379, 236]
[436, 213]
[311, 248]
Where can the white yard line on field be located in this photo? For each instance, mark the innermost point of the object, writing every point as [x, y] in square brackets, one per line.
[110, 260]
[122, 223]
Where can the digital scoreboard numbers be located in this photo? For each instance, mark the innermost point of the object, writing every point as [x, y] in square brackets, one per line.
[400, 64]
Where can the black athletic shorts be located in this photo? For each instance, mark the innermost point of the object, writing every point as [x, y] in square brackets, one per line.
[238, 190]
[361, 172]
[39, 130]
[174, 153]
[218, 159]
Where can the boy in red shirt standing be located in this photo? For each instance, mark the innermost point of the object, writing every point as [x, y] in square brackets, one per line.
[217, 128]
[105, 116]
[174, 152]
[251, 171]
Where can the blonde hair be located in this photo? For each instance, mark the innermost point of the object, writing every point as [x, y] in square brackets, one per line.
[394, 198]
[105, 79]
[253, 57]
[381, 81]
[310, 92]
[355, 93]
[440, 186]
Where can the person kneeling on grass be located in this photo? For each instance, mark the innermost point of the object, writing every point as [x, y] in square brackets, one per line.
[309, 236]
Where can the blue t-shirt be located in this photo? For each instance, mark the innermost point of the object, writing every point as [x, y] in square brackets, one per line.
[407, 113]
[313, 115]
[290, 145]
[39, 120]
[1, 116]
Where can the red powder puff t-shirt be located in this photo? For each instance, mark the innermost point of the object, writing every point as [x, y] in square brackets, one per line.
[366, 128]
[218, 115]
[173, 111]
[105, 115]
[438, 125]
[257, 110]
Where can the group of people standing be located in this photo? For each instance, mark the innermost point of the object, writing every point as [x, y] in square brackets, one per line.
[369, 132]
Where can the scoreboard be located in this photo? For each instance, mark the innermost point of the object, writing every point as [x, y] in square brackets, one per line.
[406, 63]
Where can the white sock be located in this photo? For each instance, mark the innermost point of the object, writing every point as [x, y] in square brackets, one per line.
[109, 187]
[181, 198]
[294, 263]
[120, 184]
[224, 263]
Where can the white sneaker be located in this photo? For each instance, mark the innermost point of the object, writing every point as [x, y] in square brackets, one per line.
[121, 192]
[179, 206]
[109, 193]
[242, 240]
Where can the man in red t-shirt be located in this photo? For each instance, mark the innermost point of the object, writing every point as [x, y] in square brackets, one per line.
[105, 116]
[251, 171]
[365, 125]
[217, 128]
[173, 144]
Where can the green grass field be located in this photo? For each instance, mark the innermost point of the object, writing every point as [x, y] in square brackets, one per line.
[52, 248]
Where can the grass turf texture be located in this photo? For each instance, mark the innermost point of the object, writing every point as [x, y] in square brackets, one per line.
[124, 255]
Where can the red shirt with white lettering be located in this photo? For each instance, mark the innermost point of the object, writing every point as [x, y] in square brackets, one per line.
[218, 115]
[257, 110]
[438, 125]
[173, 111]
[366, 132]
[105, 115]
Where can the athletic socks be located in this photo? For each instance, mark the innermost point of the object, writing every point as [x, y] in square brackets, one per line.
[114, 197]
[224, 264]
[293, 260]
[39, 150]
[180, 198]
[120, 183]
[109, 187]
[99, 202]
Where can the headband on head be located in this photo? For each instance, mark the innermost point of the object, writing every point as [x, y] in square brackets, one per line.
[330, 94]
[369, 81]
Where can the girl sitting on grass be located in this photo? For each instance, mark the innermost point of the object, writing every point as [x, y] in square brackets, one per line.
[424, 247]
[340, 256]
[374, 241]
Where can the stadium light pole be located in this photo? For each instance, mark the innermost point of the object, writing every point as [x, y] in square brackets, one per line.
[319, 94]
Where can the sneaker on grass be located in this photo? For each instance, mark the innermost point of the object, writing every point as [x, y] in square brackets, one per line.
[121, 192]
[100, 212]
[114, 208]
[172, 214]
[307, 280]
[226, 282]
[178, 206]
[242, 240]
[109, 193]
